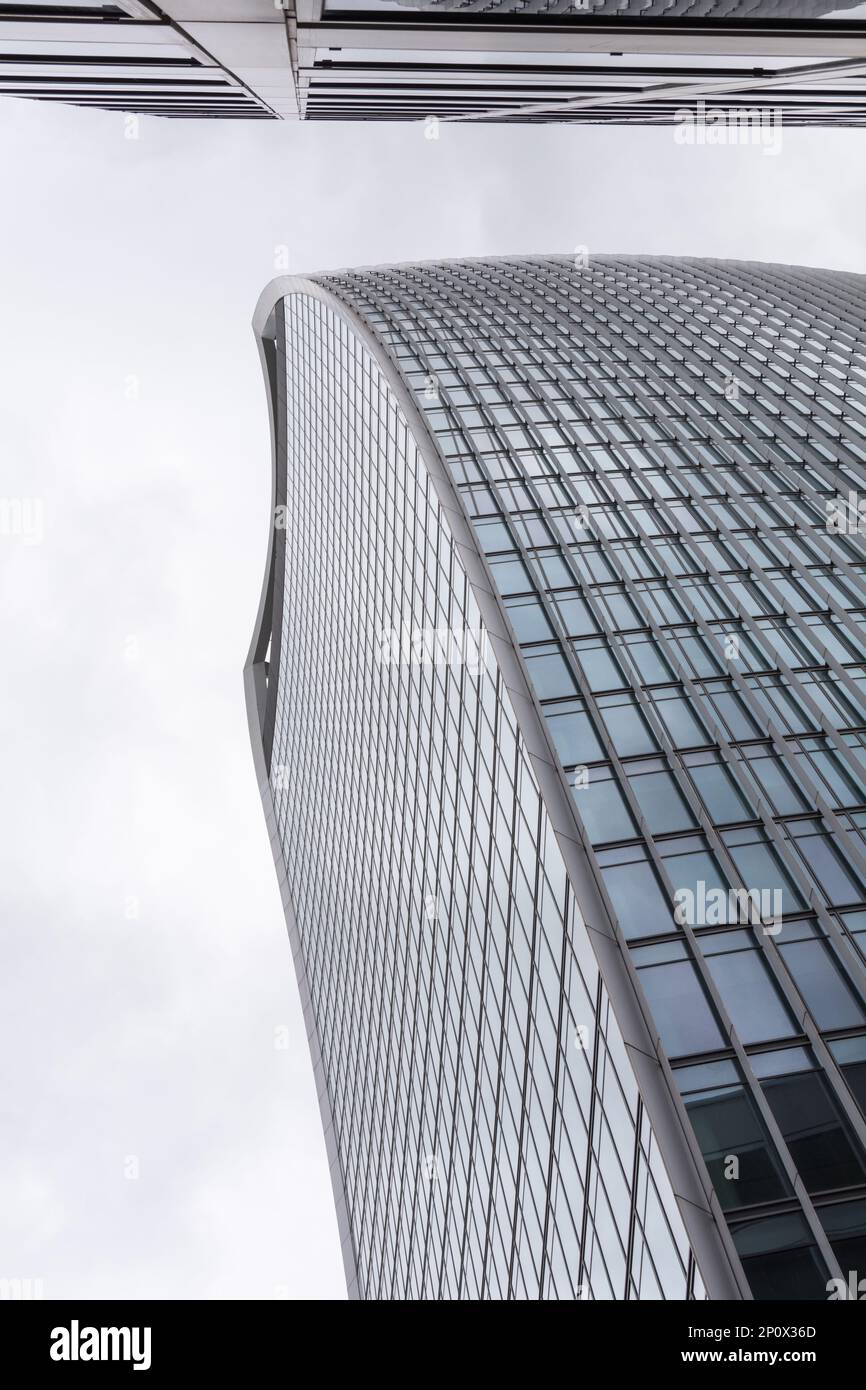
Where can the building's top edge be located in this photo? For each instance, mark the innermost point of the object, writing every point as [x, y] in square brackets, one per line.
[322, 278]
[322, 281]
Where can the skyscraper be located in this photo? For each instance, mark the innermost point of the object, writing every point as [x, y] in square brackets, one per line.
[557, 702]
[185, 58]
[611, 61]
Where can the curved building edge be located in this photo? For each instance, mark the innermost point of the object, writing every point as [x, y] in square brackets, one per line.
[698, 1205]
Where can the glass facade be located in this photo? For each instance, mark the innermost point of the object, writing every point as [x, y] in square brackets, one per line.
[660, 462]
[490, 1136]
[641, 9]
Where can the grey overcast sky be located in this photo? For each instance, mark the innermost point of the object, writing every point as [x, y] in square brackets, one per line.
[149, 1015]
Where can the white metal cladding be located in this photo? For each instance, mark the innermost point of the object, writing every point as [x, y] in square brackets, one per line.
[721, 70]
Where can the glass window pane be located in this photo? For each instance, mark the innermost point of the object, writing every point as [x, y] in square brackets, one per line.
[493, 535]
[828, 996]
[528, 620]
[574, 736]
[728, 1126]
[850, 1054]
[651, 666]
[681, 1010]
[698, 656]
[510, 576]
[628, 730]
[638, 901]
[780, 1258]
[602, 672]
[761, 871]
[698, 875]
[684, 728]
[602, 809]
[845, 1224]
[660, 802]
[815, 1131]
[550, 676]
[718, 792]
[776, 784]
[747, 988]
[575, 615]
[825, 866]
[731, 712]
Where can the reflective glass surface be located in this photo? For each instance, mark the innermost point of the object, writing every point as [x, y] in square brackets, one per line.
[666, 459]
[489, 1131]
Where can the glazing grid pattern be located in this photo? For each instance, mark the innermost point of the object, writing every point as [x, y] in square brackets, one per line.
[647, 9]
[448, 967]
[648, 450]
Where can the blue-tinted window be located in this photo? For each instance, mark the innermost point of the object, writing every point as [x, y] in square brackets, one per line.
[651, 665]
[813, 966]
[638, 902]
[662, 806]
[603, 810]
[600, 668]
[728, 1126]
[681, 1011]
[493, 535]
[550, 676]
[510, 576]
[761, 870]
[691, 867]
[850, 1055]
[845, 1225]
[575, 615]
[718, 791]
[573, 734]
[780, 1258]
[825, 865]
[697, 655]
[818, 1135]
[627, 727]
[775, 782]
[727, 708]
[684, 728]
[746, 986]
[528, 620]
